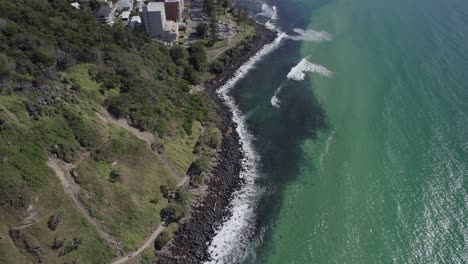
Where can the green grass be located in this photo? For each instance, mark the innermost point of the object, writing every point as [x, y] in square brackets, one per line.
[23, 155]
[124, 206]
[180, 150]
[79, 74]
[29, 183]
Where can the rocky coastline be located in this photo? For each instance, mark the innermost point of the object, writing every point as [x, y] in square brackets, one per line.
[191, 240]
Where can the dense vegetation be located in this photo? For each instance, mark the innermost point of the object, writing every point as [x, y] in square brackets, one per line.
[40, 38]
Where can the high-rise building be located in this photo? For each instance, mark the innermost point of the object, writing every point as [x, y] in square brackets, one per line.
[153, 18]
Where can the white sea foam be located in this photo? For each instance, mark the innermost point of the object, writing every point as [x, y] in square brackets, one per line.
[274, 100]
[271, 26]
[310, 35]
[230, 241]
[269, 11]
[298, 72]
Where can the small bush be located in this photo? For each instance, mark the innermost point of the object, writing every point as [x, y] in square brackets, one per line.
[74, 244]
[167, 190]
[43, 56]
[115, 175]
[58, 242]
[162, 240]
[172, 213]
[54, 220]
[199, 166]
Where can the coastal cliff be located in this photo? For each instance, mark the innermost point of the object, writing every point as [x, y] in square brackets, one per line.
[106, 140]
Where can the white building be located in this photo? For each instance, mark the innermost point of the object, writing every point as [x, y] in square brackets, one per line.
[153, 18]
[136, 20]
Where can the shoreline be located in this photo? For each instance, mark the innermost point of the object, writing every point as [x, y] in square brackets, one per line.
[191, 241]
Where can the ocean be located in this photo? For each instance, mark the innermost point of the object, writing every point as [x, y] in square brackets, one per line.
[355, 127]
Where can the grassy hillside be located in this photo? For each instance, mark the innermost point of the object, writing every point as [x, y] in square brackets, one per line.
[60, 72]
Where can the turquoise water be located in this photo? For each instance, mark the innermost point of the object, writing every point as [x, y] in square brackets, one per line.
[369, 164]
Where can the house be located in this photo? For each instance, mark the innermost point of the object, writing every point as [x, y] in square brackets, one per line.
[105, 15]
[136, 20]
[125, 5]
[125, 18]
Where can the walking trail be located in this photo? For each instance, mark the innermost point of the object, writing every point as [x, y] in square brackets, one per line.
[148, 137]
[63, 171]
[105, 116]
[72, 189]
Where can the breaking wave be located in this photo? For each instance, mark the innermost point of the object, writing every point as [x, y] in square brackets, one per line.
[232, 236]
[269, 11]
[310, 35]
[298, 72]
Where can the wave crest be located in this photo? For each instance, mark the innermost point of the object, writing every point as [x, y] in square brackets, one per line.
[298, 72]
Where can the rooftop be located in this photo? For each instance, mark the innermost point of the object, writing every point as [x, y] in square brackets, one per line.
[125, 15]
[103, 11]
[155, 7]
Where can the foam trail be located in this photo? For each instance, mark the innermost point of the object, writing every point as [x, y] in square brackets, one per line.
[327, 147]
[230, 241]
[298, 72]
[310, 35]
[274, 100]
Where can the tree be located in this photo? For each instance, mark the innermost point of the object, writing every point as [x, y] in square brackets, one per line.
[209, 7]
[213, 30]
[227, 4]
[198, 57]
[172, 213]
[202, 30]
[179, 55]
[243, 16]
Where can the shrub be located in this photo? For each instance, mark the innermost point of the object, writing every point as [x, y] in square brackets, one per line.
[43, 56]
[213, 138]
[74, 244]
[67, 151]
[172, 213]
[58, 242]
[167, 190]
[86, 133]
[115, 175]
[54, 220]
[199, 166]
[162, 240]
[216, 67]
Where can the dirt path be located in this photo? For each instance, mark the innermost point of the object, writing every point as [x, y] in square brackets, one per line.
[148, 137]
[147, 244]
[72, 189]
